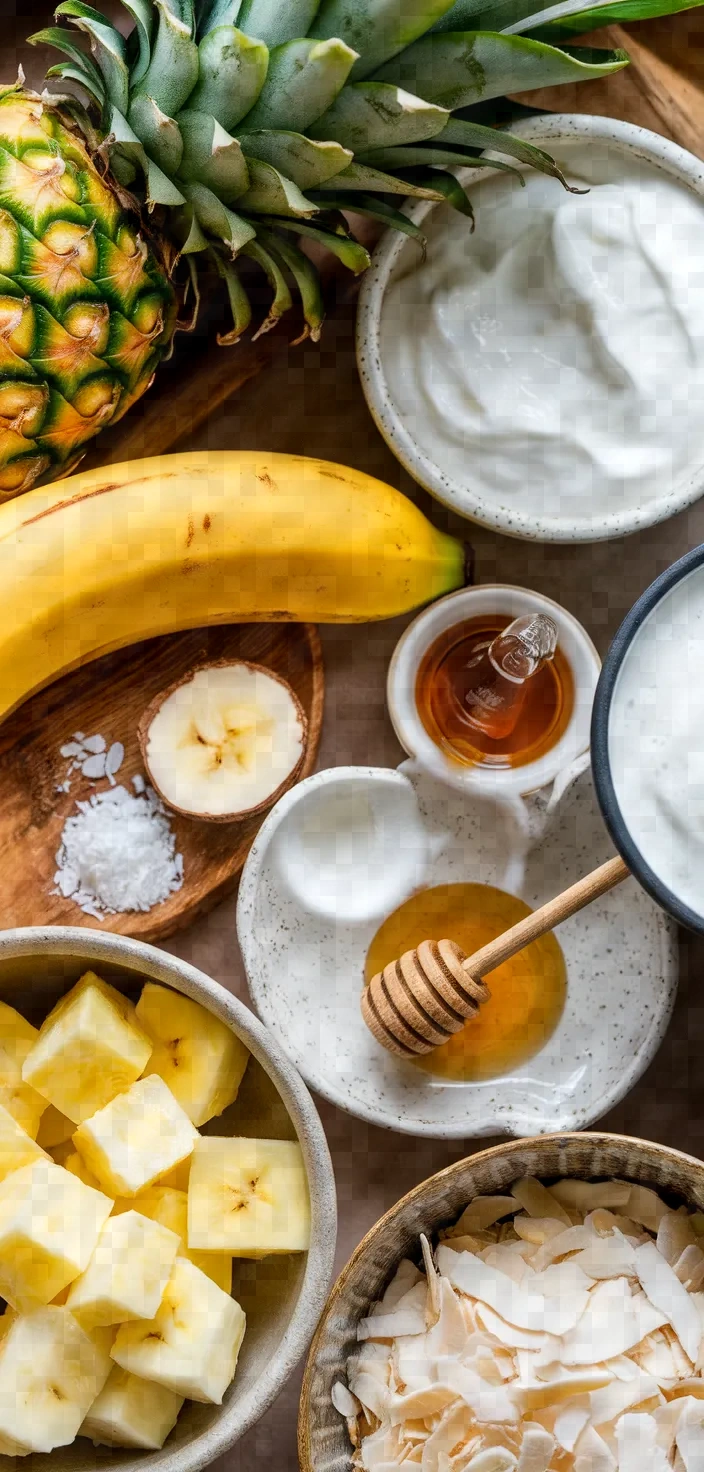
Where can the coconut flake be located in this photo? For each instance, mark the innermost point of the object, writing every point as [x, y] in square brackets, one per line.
[666, 1293]
[117, 854]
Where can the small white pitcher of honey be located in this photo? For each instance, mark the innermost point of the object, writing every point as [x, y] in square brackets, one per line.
[491, 689]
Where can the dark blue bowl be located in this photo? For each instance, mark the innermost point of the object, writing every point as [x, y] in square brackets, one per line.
[603, 781]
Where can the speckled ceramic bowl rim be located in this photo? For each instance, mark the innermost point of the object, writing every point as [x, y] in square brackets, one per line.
[335, 1302]
[640, 143]
[601, 761]
[577, 1118]
[236, 1418]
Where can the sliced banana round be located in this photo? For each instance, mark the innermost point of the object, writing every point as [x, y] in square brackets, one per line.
[223, 742]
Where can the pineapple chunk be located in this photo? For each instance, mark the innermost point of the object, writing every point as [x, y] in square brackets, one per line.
[170, 1207]
[16, 1147]
[132, 1412]
[127, 1274]
[17, 1038]
[177, 1178]
[192, 1343]
[196, 1054]
[89, 1049]
[67, 1156]
[248, 1197]
[136, 1138]
[49, 1225]
[55, 1128]
[50, 1374]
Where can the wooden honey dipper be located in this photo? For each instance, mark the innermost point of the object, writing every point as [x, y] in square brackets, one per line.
[418, 1002]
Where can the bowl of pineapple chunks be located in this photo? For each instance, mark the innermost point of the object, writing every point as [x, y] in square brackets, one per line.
[167, 1207]
[538, 1307]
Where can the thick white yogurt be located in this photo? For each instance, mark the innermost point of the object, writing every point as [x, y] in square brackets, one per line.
[554, 360]
[656, 740]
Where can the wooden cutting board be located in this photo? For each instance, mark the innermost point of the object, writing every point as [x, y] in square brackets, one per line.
[107, 698]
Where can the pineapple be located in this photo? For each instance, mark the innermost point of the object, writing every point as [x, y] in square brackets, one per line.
[89, 1048]
[195, 1053]
[164, 1204]
[17, 1038]
[55, 1128]
[248, 1197]
[50, 1374]
[192, 1343]
[137, 1138]
[17, 1148]
[127, 1274]
[67, 1156]
[49, 1226]
[220, 132]
[132, 1412]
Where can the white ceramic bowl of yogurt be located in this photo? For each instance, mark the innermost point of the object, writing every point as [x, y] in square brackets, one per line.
[544, 376]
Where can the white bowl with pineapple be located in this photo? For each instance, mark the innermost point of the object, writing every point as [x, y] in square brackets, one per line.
[167, 1208]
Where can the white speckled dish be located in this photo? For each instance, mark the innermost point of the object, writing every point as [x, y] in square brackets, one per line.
[305, 970]
[555, 133]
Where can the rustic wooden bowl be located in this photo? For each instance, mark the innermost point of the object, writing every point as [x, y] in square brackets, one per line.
[323, 1445]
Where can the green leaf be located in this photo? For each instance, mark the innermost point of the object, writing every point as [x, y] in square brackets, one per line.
[173, 69]
[213, 13]
[411, 158]
[451, 189]
[63, 41]
[159, 134]
[142, 13]
[375, 209]
[377, 29]
[159, 188]
[194, 241]
[548, 25]
[272, 193]
[305, 276]
[303, 79]
[211, 156]
[458, 69]
[349, 251]
[233, 70]
[282, 301]
[216, 219]
[462, 133]
[240, 305]
[476, 15]
[67, 72]
[360, 176]
[277, 21]
[108, 48]
[378, 114]
[305, 160]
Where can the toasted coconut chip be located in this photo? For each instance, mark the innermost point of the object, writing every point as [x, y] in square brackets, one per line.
[508, 1334]
[537, 1448]
[593, 1453]
[538, 1229]
[546, 1304]
[666, 1293]
[510, 1258]
[488, 1403]
[613, 1322]
[571, 1239]
[494, 1459]
[483, 1212]
[689, 1268]
[584, 1196]
[537, 1201]
[620, 1395]
[570, 1424]
[674, 1234]
[420, 1404]
[607, 1257]
[690, 1436]
[372, 1393]
[431, 1274]
[472, 1242]
[455, 1426]
[638, 1450]
[645, 1206]
[343, 1401]
[550, 1392]
[405, 1278]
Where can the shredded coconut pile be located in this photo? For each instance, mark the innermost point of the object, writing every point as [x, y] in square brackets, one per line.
[118, 853]
[555, 1329]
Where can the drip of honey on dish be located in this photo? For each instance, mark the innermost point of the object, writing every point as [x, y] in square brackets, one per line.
[527, 992]
[446, 688]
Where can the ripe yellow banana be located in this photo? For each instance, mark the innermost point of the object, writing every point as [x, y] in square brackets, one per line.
[123, 553]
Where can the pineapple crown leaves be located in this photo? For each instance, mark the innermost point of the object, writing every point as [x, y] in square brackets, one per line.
[251, 124]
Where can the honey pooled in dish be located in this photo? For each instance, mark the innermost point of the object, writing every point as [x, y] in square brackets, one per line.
[527, 992]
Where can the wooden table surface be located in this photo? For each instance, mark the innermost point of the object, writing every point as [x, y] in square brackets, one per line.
[310, 403]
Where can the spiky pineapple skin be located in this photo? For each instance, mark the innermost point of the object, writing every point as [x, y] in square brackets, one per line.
[87, 309]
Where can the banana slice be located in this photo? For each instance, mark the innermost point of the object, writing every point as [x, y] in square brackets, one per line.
[223, 742]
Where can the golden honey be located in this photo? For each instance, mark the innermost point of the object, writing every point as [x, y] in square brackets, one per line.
[446, 677]
[527, 992]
